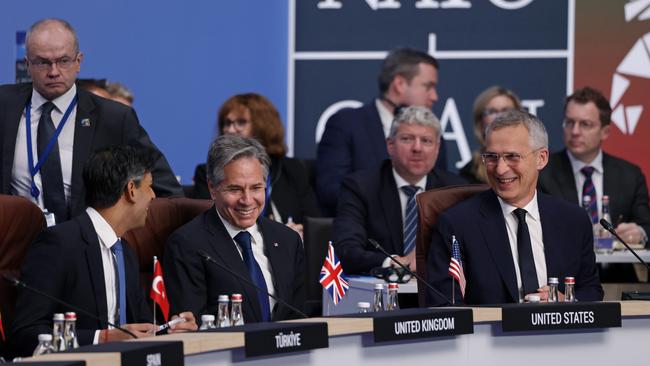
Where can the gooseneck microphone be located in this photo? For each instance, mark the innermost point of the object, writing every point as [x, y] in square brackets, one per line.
[405, 268]
[609, 227]
[20, 284]
[208, 258]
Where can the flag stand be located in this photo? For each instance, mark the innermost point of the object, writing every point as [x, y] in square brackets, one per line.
[153, 301]
[453, 291]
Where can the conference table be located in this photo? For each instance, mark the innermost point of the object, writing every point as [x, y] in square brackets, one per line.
[353, 340]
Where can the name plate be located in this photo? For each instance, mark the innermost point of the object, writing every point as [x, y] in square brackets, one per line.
[276, 338]
[142, 353]
[552, 316]
[407, 324]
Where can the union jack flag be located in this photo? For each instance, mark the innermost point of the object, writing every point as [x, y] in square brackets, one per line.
[456, 265]
[332, 277]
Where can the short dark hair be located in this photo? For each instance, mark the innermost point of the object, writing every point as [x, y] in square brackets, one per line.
[589, 94]
[403, 62]
[108, 170]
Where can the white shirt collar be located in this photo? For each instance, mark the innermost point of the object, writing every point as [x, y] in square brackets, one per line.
[422, 183]
[61, 102]
[531, 208]
[105, 232]
[385, 116]
[576, 164]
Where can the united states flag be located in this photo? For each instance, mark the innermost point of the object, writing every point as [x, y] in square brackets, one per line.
[332, 277]
[456, 265]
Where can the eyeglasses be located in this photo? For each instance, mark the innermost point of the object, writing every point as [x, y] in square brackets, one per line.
[63, 63]
[583, 125]
[239, 123]
[511, 159]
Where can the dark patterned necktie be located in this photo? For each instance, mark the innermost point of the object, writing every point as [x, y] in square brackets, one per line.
[51, 175]
[588, 189]
[410, 219]
[526, 260]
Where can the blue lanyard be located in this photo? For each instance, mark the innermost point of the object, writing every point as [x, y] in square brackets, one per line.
[33, 169]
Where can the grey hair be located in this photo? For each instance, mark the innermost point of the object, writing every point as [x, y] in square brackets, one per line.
[537, 136]
[34, 27]
[415, 116]
[230, 147]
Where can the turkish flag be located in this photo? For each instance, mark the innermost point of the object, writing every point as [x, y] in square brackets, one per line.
[158, 292]
[2, 329]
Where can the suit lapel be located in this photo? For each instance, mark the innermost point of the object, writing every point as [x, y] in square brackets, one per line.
[223, 247]
[391, 207]
[565, 178]
[375, 131]
[13, 112]
[132, 282]
[84, 131]
[495, 236]
[95, 265]
[551, 236]
[273, 248]
[611, 179]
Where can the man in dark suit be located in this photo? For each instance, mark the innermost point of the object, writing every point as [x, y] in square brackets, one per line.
[53, 60]
[84, 262]
[586, 126]
[374, 203]
[511, 237]
[355, 139]
[233, 232]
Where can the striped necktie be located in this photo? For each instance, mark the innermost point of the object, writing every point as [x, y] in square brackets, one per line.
[410, 218]
[588, 189]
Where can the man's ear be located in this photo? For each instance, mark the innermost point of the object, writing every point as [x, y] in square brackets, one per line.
[129, 191]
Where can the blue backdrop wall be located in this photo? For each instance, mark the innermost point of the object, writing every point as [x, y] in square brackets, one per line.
[181, 59]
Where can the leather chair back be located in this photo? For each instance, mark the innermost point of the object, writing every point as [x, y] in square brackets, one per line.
[317, 234]
[430, 205]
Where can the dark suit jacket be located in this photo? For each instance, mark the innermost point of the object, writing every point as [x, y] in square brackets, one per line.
[111, 123]
[291, 192]
[195, 285]
[65, 261]
[623, 182]
[353, 140]
[480, 229]
[369, 207]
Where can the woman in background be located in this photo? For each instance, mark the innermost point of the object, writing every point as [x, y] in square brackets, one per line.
[289, 196]
[487, 106]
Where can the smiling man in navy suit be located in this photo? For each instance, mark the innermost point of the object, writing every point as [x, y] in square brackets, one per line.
[236, 234]
[512, 238]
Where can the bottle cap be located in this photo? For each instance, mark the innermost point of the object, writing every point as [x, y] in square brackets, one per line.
[363, 305]
[58, 317]
[379, 286]
[207, 318]
[44, 337]
[569, 280]
[236, 298]
[70, 316]
[393, 286]
[533, 298]
[553, 280]
[223, 298]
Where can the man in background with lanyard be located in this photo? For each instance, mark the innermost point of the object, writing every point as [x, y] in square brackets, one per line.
[50, 127]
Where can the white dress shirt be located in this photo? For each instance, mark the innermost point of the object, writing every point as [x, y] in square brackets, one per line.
[257, 244]
[596, 177]
[107, 238]
[21, 178]
[535, 230]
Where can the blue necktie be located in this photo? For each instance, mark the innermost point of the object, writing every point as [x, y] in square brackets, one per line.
[121, 280]
[410, 219]
[588, 189]
[51, 175]
[244, 241]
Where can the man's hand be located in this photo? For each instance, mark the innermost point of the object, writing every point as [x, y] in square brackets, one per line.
[407, 260]
[139, 330]
[630, 232]
[188, 325]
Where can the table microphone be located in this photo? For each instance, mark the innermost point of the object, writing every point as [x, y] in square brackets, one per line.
[18, 283]
[208, 258]
[609, 227]
[407, 270]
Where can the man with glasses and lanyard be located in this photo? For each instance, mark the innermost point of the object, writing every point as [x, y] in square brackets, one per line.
[511, 237]
[66, 124]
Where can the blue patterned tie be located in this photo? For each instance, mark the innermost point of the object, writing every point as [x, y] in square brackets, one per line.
[410, 219]
[244, 241]
[588, 189]
[121, 280]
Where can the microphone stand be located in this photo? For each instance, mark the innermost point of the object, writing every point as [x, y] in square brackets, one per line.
[20, 284]
[208, 258]
[609, 227]
[405, 268]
